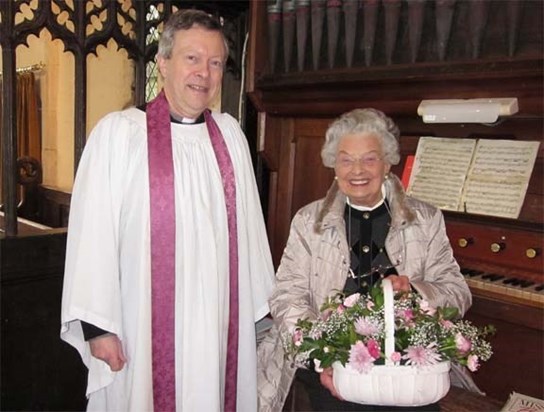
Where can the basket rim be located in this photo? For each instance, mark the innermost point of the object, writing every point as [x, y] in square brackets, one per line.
[434, 369]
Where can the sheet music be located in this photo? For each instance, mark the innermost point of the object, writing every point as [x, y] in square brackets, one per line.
[440, 170]
[498, 177]
[518, 402]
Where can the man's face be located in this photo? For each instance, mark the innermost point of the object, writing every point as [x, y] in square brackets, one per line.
[193, 73]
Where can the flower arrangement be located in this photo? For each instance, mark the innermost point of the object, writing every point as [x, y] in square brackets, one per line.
[350, 330]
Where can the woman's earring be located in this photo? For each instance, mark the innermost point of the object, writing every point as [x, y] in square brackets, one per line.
[386, 176]
[335, 177]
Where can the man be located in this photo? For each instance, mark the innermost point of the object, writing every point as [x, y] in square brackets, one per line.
[168, 265]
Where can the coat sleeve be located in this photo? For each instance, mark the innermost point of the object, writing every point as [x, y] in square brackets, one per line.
[442, 283]
[291, 298]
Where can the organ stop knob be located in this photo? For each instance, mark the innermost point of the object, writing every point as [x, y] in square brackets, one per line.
[496, 247]
[464, 242]
[531, 252]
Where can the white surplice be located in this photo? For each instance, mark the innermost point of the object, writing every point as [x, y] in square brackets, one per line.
[107, 278]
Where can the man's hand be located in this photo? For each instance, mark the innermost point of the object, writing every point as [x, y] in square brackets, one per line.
[109, 349]
[326, 380]
[400, 282]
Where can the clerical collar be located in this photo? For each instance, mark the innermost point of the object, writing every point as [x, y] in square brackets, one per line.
[186, 120]
[178, 119]
[366, 208]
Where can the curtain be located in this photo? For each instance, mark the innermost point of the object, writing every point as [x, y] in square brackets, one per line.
[28, 122]
[1, 146]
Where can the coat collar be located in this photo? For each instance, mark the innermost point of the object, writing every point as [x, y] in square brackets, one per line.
[332, 209]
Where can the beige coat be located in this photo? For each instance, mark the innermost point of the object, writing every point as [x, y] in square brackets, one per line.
[315, 263]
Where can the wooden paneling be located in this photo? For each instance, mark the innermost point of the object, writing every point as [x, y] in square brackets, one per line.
[518, 348]
[312, 179]
[39, 371]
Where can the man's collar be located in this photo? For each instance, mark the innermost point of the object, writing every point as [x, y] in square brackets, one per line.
[177, 119]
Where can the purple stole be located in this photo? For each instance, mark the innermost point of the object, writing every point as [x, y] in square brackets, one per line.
[162, 209]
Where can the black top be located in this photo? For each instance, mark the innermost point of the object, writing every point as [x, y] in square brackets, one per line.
[366, 232]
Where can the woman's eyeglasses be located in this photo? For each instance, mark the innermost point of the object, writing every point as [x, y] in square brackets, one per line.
[347, 162]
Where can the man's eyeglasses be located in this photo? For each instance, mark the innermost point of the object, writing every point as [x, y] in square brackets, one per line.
[347, 162]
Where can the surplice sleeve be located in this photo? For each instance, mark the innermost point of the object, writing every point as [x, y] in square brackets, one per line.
[91, 291]
[254, 254]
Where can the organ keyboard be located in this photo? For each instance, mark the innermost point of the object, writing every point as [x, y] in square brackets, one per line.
[502, 261]
[502, 286]
[499, 260]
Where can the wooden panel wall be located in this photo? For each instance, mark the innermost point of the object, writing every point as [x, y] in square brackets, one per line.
[39, 371]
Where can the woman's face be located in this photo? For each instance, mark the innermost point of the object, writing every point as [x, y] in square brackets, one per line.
[360, 168]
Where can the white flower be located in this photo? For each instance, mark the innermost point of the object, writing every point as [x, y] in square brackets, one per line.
[317, 366]
[426, 307]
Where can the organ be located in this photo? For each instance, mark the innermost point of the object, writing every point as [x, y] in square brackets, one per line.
[450, 49]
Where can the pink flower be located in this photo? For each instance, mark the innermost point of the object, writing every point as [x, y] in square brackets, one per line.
[472, 363]
[369, 305]
[373, 348]
[326, 314]
[420, 356]
[340, 309]
[365, 326]
[395, 357]
[462, 344]
[447, 324]
[407, 314]
[359, 358]
[426, 307]
[298, 337]
[351, 300]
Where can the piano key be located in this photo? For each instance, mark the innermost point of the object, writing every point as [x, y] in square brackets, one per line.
[492, 277]
[504, 286]
[526, 283]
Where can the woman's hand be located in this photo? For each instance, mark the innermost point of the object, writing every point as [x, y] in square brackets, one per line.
[326, 380]
[400, 282]
[109, 349]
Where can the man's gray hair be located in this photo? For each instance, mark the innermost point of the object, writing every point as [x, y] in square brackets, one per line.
[184, 20]
[362, 121]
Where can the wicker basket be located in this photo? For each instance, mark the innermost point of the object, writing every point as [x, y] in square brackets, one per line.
[389, 384]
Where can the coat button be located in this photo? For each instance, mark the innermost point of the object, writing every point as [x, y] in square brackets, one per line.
[366, 215]
[365, 249]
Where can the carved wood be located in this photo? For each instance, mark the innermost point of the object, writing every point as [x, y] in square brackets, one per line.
[82, 26]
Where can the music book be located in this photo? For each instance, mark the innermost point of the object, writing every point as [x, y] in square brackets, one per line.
[518, 402]
[262, 328]
[479, 176]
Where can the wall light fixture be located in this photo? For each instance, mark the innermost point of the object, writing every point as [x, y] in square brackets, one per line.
[467, 110]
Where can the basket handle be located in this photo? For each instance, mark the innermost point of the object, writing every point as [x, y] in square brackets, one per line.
[389, 320]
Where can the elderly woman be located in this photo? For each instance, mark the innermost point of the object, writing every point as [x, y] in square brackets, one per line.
[365, 227]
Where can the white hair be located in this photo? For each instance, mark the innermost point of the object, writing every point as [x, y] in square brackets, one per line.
[361, 121]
